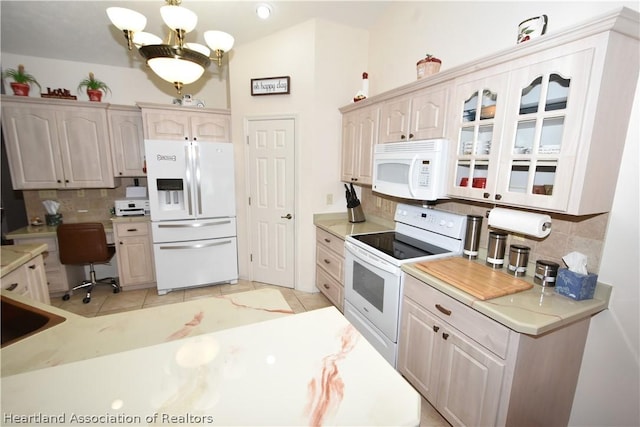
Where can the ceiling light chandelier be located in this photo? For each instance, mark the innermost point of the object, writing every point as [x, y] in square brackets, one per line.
[173, 60]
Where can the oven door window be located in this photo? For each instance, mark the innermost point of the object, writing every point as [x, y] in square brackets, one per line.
[368, 285]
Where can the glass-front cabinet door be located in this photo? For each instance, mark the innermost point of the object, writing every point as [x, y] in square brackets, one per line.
[543, 132]
[477, 122]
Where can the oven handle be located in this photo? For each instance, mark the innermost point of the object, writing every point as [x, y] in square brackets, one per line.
[370, 259]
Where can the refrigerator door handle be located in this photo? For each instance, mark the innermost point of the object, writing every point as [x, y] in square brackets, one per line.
[197, 246]
[202, 224]
[187, 156]
[196, 159]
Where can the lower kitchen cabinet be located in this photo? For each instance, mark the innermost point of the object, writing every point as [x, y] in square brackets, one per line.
[330, 267]
[28, 280]
[477, 372]
[134, 250]
[60, 278]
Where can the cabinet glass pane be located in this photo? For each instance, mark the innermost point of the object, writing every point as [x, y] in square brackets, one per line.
[466, 140]
[480, 172]
[488, 110]
[470, 108]
[557, 93]
[463, 172]
[519, 176]
[525, 137]
[530, 97]
[551, 136]
[472, 174]
[485, 134]
[544, 177]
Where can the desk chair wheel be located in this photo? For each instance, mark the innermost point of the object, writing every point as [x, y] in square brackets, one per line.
[86, 300]
[116, 288]
[66, 297]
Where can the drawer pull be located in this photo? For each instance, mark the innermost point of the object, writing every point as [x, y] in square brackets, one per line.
[445, 335]
[327, 240]
[324, 285]
[443, 310]
[436, 328]
[12, 286]
[326, 261]
[32, 267]
[132, 229]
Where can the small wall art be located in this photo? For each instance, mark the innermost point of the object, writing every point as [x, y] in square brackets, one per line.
[271, 86]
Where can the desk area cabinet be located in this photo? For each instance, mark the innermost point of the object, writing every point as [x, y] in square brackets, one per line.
[135, 254]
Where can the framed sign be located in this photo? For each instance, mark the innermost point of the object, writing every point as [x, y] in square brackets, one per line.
[271, 86]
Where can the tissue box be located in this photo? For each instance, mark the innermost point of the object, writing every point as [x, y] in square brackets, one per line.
[575, 285]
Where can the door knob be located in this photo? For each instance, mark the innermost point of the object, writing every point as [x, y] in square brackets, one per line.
[287, 216]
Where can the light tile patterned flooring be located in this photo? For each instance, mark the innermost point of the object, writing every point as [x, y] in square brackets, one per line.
[104, 301]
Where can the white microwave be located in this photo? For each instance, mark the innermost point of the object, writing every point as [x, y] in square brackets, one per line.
[411, 170]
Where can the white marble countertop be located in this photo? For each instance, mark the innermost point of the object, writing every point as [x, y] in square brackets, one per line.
[311, 368]
[13, 256]
[534, 311]
[31, 231]
[338, 224]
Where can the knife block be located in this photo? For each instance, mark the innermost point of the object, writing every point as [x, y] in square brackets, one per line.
[356, 214]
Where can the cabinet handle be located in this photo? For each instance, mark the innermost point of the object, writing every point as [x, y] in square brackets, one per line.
[410, 135]
[498, 196]
[121, 243]
[354, 179]
[326, 261]
[486, 195]
[66, 180]
[12, 286]
[403, 137]
[32, 267]
[436, 328]
[445, 335]
[443, 310]
[59, 182]
[326, 286]
[327, 240]
[132, 229]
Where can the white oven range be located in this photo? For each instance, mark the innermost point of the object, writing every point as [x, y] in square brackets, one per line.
[373, 277]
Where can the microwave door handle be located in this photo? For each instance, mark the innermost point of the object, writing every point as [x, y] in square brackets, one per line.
[411, 167]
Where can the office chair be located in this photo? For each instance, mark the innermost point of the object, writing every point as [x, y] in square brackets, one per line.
[86, 244]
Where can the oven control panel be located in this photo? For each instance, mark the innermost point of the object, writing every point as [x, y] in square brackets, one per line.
[437, 221]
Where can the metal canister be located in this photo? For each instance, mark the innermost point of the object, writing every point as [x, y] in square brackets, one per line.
[472, 236]
[518, 259]
[495, 250]
[546, 273]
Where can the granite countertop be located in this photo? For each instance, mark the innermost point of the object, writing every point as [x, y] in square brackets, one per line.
[311, 368]
[13, 256]
[534, 311]
[338, 224]
[44, 230]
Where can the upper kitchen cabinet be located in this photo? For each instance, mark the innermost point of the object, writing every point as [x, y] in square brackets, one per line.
[420, 115]
[359, 134]
[543, 126]
[56, 143]
[127, 140]
[186, 123]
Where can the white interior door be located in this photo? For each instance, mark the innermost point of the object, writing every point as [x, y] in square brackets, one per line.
[271, 192]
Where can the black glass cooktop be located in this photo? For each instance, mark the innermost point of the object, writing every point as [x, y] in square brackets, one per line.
[398, 245]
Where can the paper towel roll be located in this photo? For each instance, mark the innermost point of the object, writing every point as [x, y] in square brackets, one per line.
[532, 224]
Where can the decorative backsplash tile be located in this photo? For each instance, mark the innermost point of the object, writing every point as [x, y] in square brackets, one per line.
[583, 234]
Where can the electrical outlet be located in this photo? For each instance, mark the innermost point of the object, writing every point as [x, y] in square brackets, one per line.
[47, 194]
[80, 193]
[329, 199]
[103, 193]
[378, 202]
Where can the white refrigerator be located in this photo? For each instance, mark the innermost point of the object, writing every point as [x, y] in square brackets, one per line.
[193, 213]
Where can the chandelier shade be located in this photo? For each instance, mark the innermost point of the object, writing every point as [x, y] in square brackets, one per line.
[174, 60]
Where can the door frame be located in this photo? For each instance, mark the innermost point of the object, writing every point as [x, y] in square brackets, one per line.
[296, 188]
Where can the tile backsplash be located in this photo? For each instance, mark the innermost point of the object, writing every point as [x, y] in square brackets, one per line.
[89, 204]
[583, 234]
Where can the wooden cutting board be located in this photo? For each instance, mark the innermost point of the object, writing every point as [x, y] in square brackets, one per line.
[476, 279]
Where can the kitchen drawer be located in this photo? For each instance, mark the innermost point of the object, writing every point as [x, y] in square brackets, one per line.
[331, 262]
[334, 243]
[330, 287]
[131, 229]
[477, 326]
[17, 281]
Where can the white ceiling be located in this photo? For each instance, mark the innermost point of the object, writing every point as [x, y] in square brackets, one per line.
[81, 31]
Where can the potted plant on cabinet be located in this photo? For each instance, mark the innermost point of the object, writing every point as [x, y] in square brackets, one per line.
[21, 80]
[94, 87]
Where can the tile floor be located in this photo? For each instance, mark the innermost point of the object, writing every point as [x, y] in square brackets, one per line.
[104, 301]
